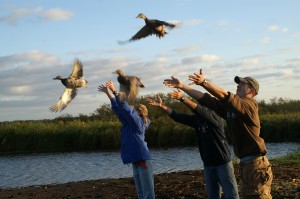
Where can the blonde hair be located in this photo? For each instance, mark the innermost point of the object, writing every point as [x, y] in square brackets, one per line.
[144, 112]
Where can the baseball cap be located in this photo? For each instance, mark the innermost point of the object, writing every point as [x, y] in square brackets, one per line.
[248, 80]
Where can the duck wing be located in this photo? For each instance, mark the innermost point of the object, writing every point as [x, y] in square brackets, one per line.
[64, 100]
[77, 69]
[168, 25]
[123, 80]
[133, 91]
[124, 84]
[135, 85]
[144, 32]
[125, 89]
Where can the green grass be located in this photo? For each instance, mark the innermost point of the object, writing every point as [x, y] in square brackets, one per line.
[103, 133]
[292, 159]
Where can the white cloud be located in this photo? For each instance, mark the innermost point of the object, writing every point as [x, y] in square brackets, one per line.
[15, 98]
[249, 61]
[287, 73]
[265, 40]
[295, 59]
[223, 23]
[56, 14]
[245, 65]
[275, 27]
[200, 59]
[288, 49]
[187, 49]
[20, 89]
[272, 28]
[39, 56]
[296, 35]
[193, 22]
[17, 15]
[31, 61]
[248, 42]
[38, 91]
[255, 56]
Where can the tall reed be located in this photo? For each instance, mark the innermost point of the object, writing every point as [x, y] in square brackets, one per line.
[101, 131]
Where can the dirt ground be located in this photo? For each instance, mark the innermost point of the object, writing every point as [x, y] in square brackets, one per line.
[182, 185]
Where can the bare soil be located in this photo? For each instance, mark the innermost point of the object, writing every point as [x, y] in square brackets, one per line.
[183, 185]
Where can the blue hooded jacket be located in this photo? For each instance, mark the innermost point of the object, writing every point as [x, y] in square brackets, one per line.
[133, 145]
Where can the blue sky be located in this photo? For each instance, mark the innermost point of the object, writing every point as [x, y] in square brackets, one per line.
[41, 38]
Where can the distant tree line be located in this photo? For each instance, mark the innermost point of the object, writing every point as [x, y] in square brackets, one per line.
[279, 105]
[280, 121]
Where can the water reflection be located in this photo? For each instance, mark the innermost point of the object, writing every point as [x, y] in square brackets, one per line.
[38, 169]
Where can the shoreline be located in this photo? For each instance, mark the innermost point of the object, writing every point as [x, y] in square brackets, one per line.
[185, 184]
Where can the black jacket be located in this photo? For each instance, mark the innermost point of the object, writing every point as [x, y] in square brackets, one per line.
[209, 127]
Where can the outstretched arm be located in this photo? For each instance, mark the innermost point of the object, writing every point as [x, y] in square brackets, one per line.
[182, 118]
[105, 90]
[176, 83]
[199, 79]
[177, 94]
[110, 86]
[121, 96]
[158, 103]
[113, 101]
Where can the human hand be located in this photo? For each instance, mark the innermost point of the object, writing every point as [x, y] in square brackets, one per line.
[197, 78]
[110, 85]
[155, 102]
[176, 94]
[103, 89]
[173, 83]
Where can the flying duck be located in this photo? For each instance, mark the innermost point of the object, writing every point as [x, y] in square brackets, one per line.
[153, 26]
[74, 81]
[129, 84]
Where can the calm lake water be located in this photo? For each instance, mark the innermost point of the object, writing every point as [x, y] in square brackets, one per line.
[41, 169]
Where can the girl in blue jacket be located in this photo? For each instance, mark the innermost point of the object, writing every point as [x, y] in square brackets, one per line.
[134, 149]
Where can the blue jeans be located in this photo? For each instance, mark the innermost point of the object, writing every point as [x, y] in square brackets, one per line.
[221, 176]
[144, 181]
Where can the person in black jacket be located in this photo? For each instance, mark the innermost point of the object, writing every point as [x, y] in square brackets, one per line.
[213, 146]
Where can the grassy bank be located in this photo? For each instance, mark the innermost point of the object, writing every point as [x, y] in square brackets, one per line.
[292, 159]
